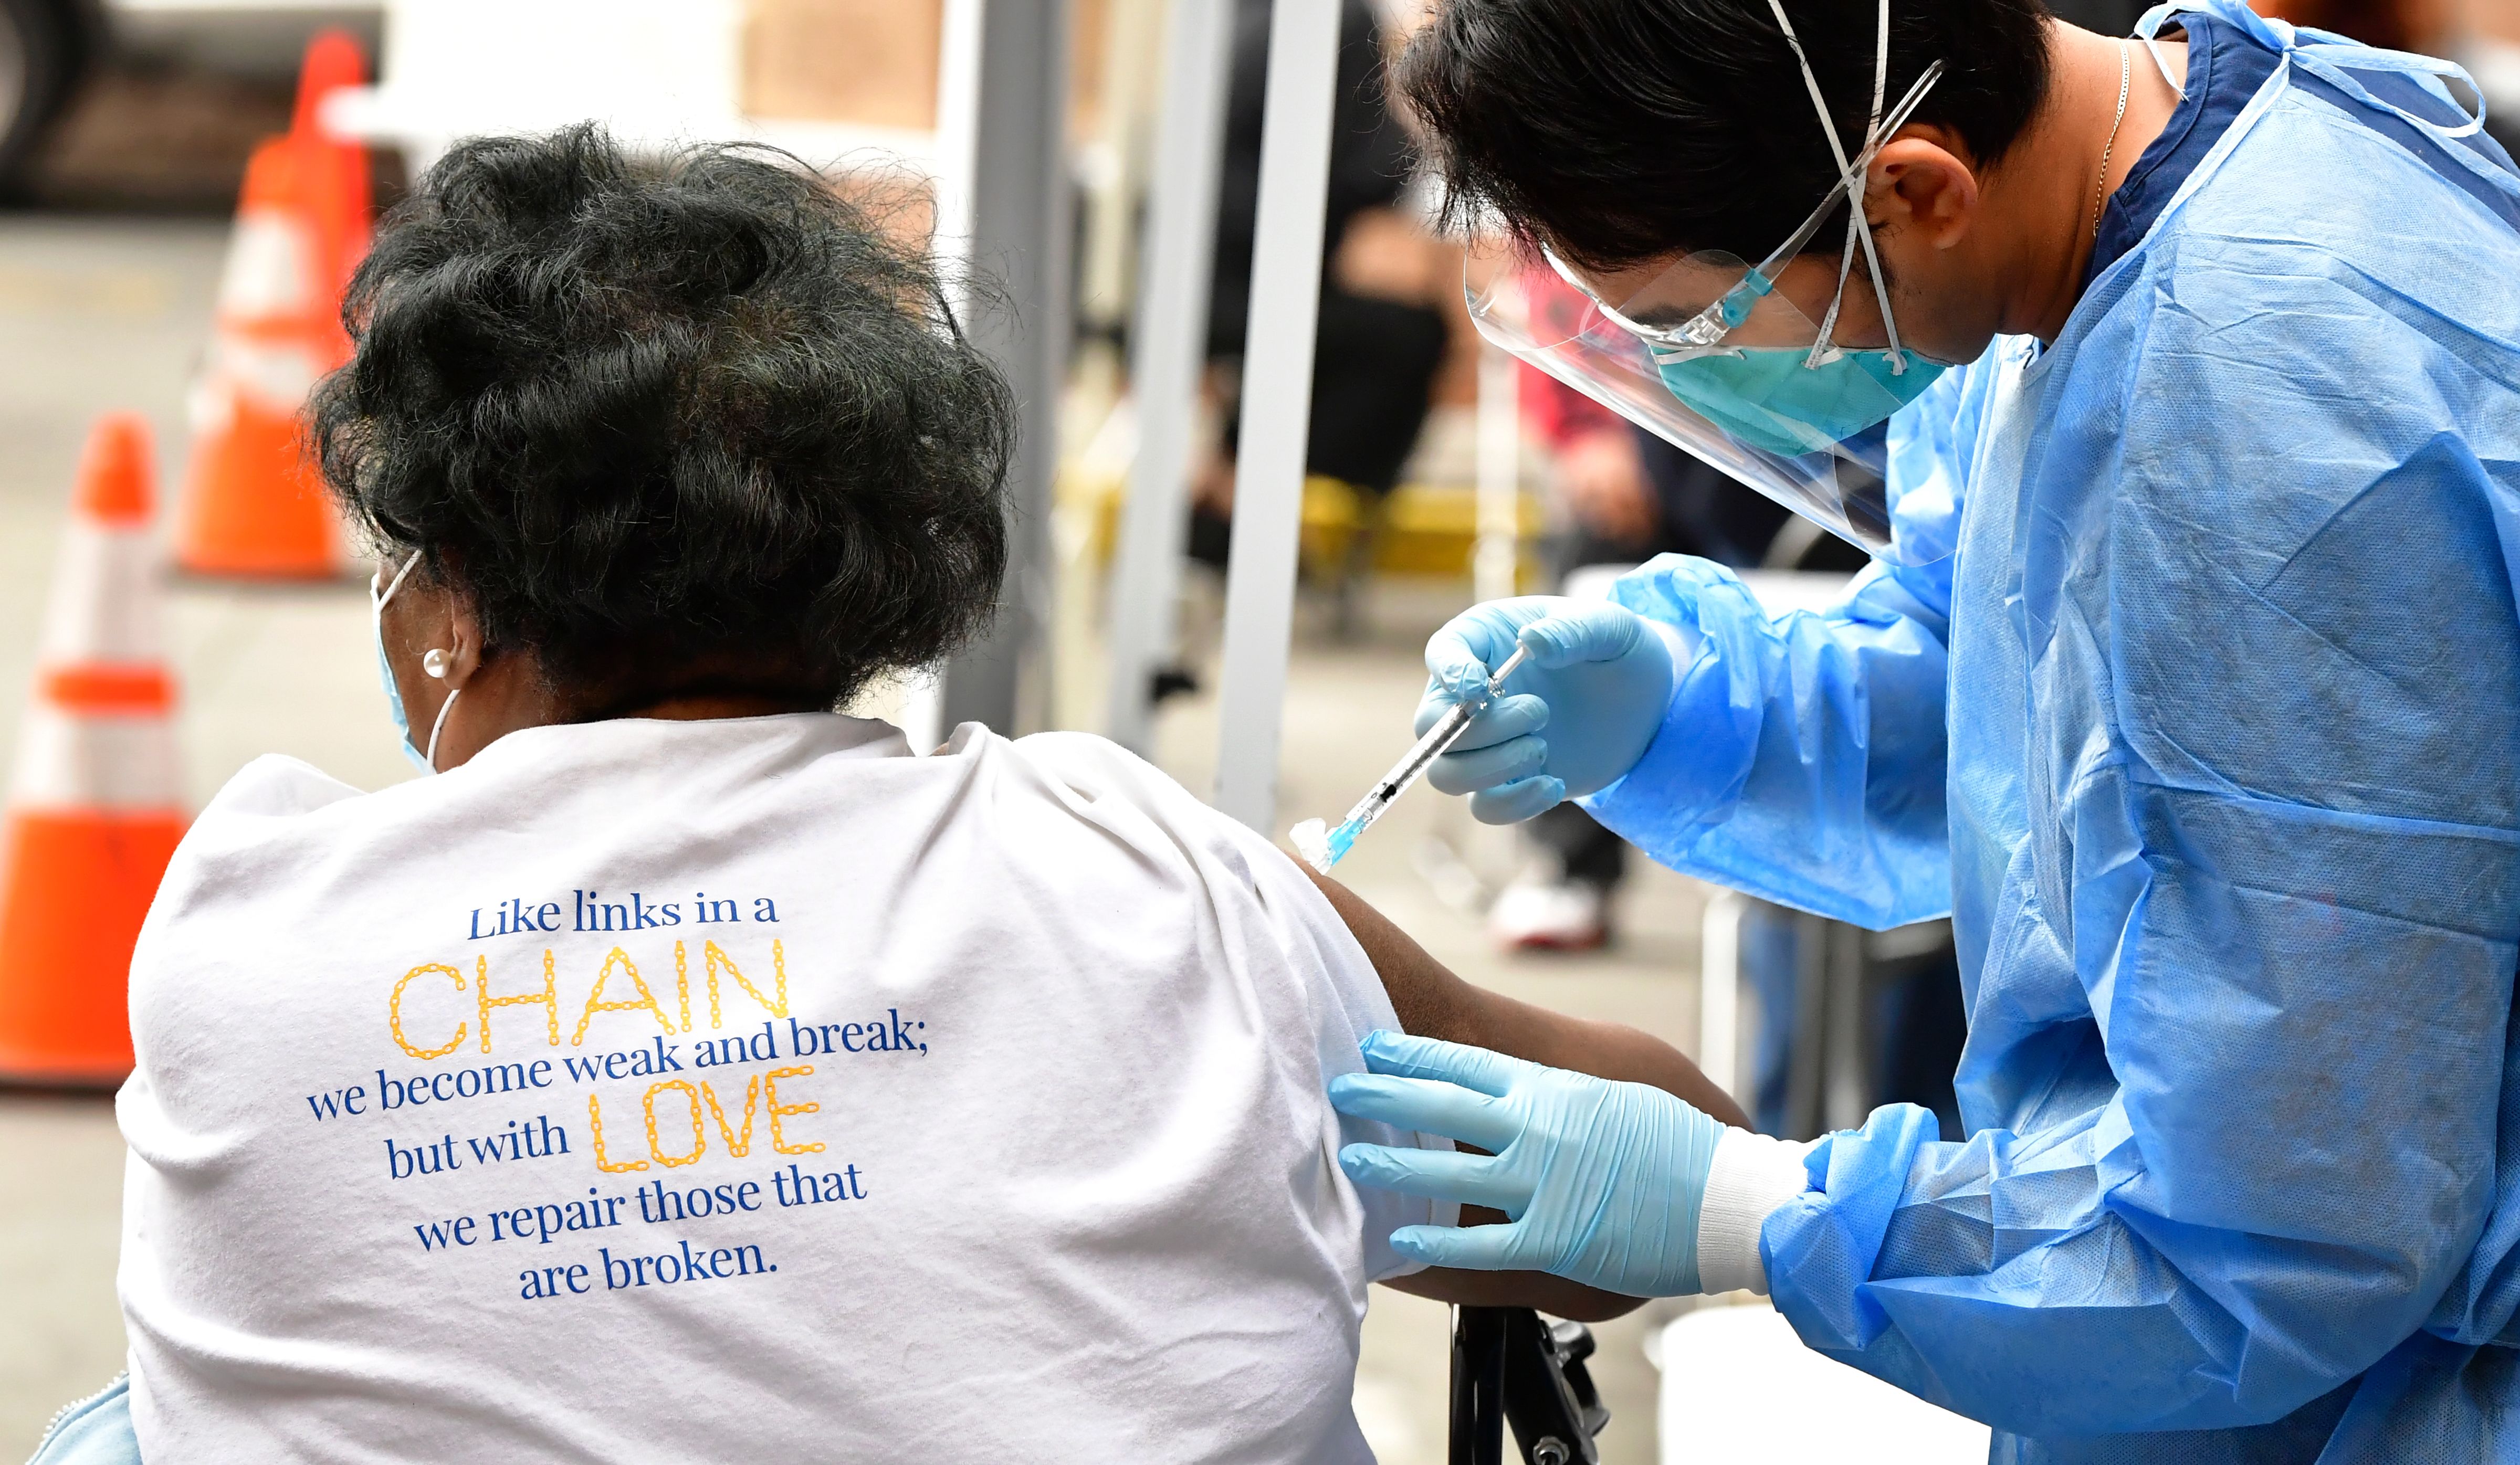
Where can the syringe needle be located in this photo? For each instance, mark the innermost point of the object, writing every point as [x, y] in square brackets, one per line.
[1322, 847]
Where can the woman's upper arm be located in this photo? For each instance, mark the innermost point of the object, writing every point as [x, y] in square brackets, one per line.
[1430, 1000]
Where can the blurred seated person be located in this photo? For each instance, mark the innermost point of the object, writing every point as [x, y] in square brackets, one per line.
[674, 1074]
[1380, 333]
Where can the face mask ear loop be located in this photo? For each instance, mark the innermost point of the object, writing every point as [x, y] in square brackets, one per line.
[1824, 349]
[439, 726]
[1881, 294]
[452, 693]
[395, 583]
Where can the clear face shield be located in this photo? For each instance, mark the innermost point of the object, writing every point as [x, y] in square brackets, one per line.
[1712, 357]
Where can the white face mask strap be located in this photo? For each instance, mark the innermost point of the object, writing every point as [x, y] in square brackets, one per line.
[1872, 141]
[1856, 230]
[1880, 74]
[439, 726]
[1810, 83]
[1880, 293]
[395, 583]
[452, 693]
[1824, 349]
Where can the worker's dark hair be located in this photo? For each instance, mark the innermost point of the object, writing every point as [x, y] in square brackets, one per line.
[1619, 130]
[671, 425]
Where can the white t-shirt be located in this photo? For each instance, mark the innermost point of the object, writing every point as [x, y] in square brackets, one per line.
[829, 1103]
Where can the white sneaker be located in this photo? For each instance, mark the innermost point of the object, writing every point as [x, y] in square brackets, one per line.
[1568, 916]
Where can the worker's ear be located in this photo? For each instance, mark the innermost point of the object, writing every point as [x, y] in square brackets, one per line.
[1922, 184]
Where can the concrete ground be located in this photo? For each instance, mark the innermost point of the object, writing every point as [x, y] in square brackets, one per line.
[99, 314]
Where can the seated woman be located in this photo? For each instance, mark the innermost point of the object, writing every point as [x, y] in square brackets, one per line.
[691, 1072]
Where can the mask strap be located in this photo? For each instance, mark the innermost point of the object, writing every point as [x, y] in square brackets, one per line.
[452, 693]
[395, 583]
[439, 726]
[1852, 181]
[1709, 327]
[1857, 228]
[1824, 347]
[1811, 82]
[1872, 141]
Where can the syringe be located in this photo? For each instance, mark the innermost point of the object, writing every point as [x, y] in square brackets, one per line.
[1322, 846]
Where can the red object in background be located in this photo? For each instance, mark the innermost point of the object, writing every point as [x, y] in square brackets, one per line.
[95, 812]
[1558, 414]
[254, 504]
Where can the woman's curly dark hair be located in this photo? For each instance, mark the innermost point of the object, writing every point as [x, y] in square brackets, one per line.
[694, 423]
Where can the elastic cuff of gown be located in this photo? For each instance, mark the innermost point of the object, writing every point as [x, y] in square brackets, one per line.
[1683, 645]
[1681, 642]
[1751, 1177]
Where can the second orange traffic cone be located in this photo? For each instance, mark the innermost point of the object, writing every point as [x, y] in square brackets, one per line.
[253, 503]
[94, 810]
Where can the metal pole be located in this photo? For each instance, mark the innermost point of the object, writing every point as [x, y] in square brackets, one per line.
[1499, 552]
[1277, 403]
[1166, 345]
[1719, 990]
[1477, 1429]
[958, 108]
[1806, 1055]
[1848, 1055]
[1019, 210]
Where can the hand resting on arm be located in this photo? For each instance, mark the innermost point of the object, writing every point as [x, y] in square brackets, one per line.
[1433, 1002]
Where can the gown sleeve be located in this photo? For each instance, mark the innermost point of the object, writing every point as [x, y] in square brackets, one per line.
[2245, 1007]
[1802, 757]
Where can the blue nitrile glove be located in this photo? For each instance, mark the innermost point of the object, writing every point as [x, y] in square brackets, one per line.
[1602, 1180]
[1598, 679]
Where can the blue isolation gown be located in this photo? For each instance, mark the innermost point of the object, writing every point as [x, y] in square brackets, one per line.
[2207, 736]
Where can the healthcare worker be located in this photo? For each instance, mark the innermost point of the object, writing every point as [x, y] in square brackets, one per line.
[2188, 681]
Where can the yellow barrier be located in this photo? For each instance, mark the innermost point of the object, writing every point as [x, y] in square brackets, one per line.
[1420, 529]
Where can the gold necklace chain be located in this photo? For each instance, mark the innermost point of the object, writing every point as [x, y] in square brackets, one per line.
[2126, 77]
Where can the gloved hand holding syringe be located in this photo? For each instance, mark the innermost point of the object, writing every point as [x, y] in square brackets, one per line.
[1321, 846]
[1595, 676]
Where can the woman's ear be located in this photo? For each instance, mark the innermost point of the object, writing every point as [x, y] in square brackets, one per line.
[1921, 181]
[464, 648]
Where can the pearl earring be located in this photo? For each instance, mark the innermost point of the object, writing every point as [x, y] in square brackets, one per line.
[434, 662]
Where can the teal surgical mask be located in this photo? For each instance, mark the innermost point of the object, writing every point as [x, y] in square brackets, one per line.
[1774, 398]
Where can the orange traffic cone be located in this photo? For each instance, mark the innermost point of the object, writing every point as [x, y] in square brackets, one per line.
[95, 810]
[332, 62]
[254, 504]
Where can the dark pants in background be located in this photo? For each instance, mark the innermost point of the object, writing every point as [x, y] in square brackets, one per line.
[1374, 376]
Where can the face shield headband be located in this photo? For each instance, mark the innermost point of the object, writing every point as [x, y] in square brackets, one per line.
[1708, 328]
